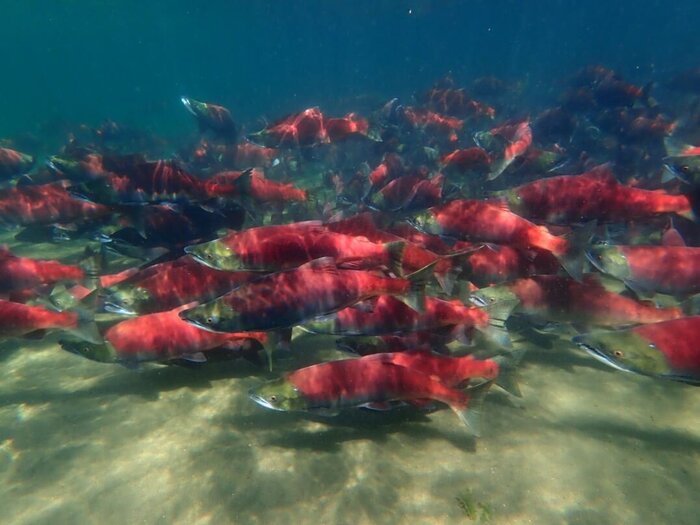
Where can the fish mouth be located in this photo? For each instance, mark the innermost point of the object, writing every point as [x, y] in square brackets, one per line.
[192, 252]
[479, 301]
[68, 346]
[598, 354]
[262, 401]
[196, 322]
[674, 171]
[115, 308]
[186, 102]
[594, 259]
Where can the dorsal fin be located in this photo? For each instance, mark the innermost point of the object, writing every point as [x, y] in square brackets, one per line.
[672, 237]
[603, 172]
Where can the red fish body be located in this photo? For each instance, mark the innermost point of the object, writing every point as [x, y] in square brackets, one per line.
[167, 285]
[557, 298]
[18, 273]
[673, 270]
[46, 204]
[249, 155]
[388, 315]
[433, 122]
[212, 117]
[164, 336]
[451, 371]
[84, 165]
[678, 340]
[409, 192]
[291, 297]
[595, 195]
[519, 139]
[467, 160]
[272, 248]
[481, 221]
[495, 264]
[18, 319]
[356, 382]
[138, 181]
[301, 129]
[252, 183]
[339, 129]
[418, 253]
[456, 102]
[390, 168]
[13, 162]
[670, 349]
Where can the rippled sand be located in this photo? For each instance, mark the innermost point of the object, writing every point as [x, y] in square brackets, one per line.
[84, 442]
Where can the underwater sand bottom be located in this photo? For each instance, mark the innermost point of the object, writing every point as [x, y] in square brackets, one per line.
[83, 442]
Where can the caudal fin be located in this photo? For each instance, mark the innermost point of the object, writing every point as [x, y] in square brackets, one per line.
[86, 328]
[470, 413]
[93, 263]
[419, 280]
[574, 260]
[496, 332]
[395, 252]
[270, 344]
[507, 365]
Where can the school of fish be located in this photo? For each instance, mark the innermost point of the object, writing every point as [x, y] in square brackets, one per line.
[428, 237]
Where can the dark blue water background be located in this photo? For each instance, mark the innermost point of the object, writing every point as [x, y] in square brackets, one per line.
[131, 60]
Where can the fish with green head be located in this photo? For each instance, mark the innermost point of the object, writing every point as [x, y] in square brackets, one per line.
[159, 337]
[215, 254]
[14, 162]
[211, 117]
[80, 165]
[673, 270]
[128, 300]
[102, 353]
[684, 167]
[280, 395]
[375, 380]
[669, 350]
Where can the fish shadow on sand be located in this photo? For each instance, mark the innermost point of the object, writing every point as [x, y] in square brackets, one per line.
[352, 425]
[147, 383]
[564, 357]
[625, 434]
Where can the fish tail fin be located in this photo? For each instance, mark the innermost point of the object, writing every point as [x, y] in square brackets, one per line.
[447, 278]
[691, 306]
[269, 345]
[694, 198]
[86, 328]
[497, 167]
[395, 251]
[507, 365]
[93, 263]
[574, 259]
[674, 146]
[470, 413]
[419, 280]
[496, 331]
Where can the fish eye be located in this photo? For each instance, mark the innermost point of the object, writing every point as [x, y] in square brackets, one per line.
[273, 398]
[618, 353]
[210, 320]
[685, 169]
